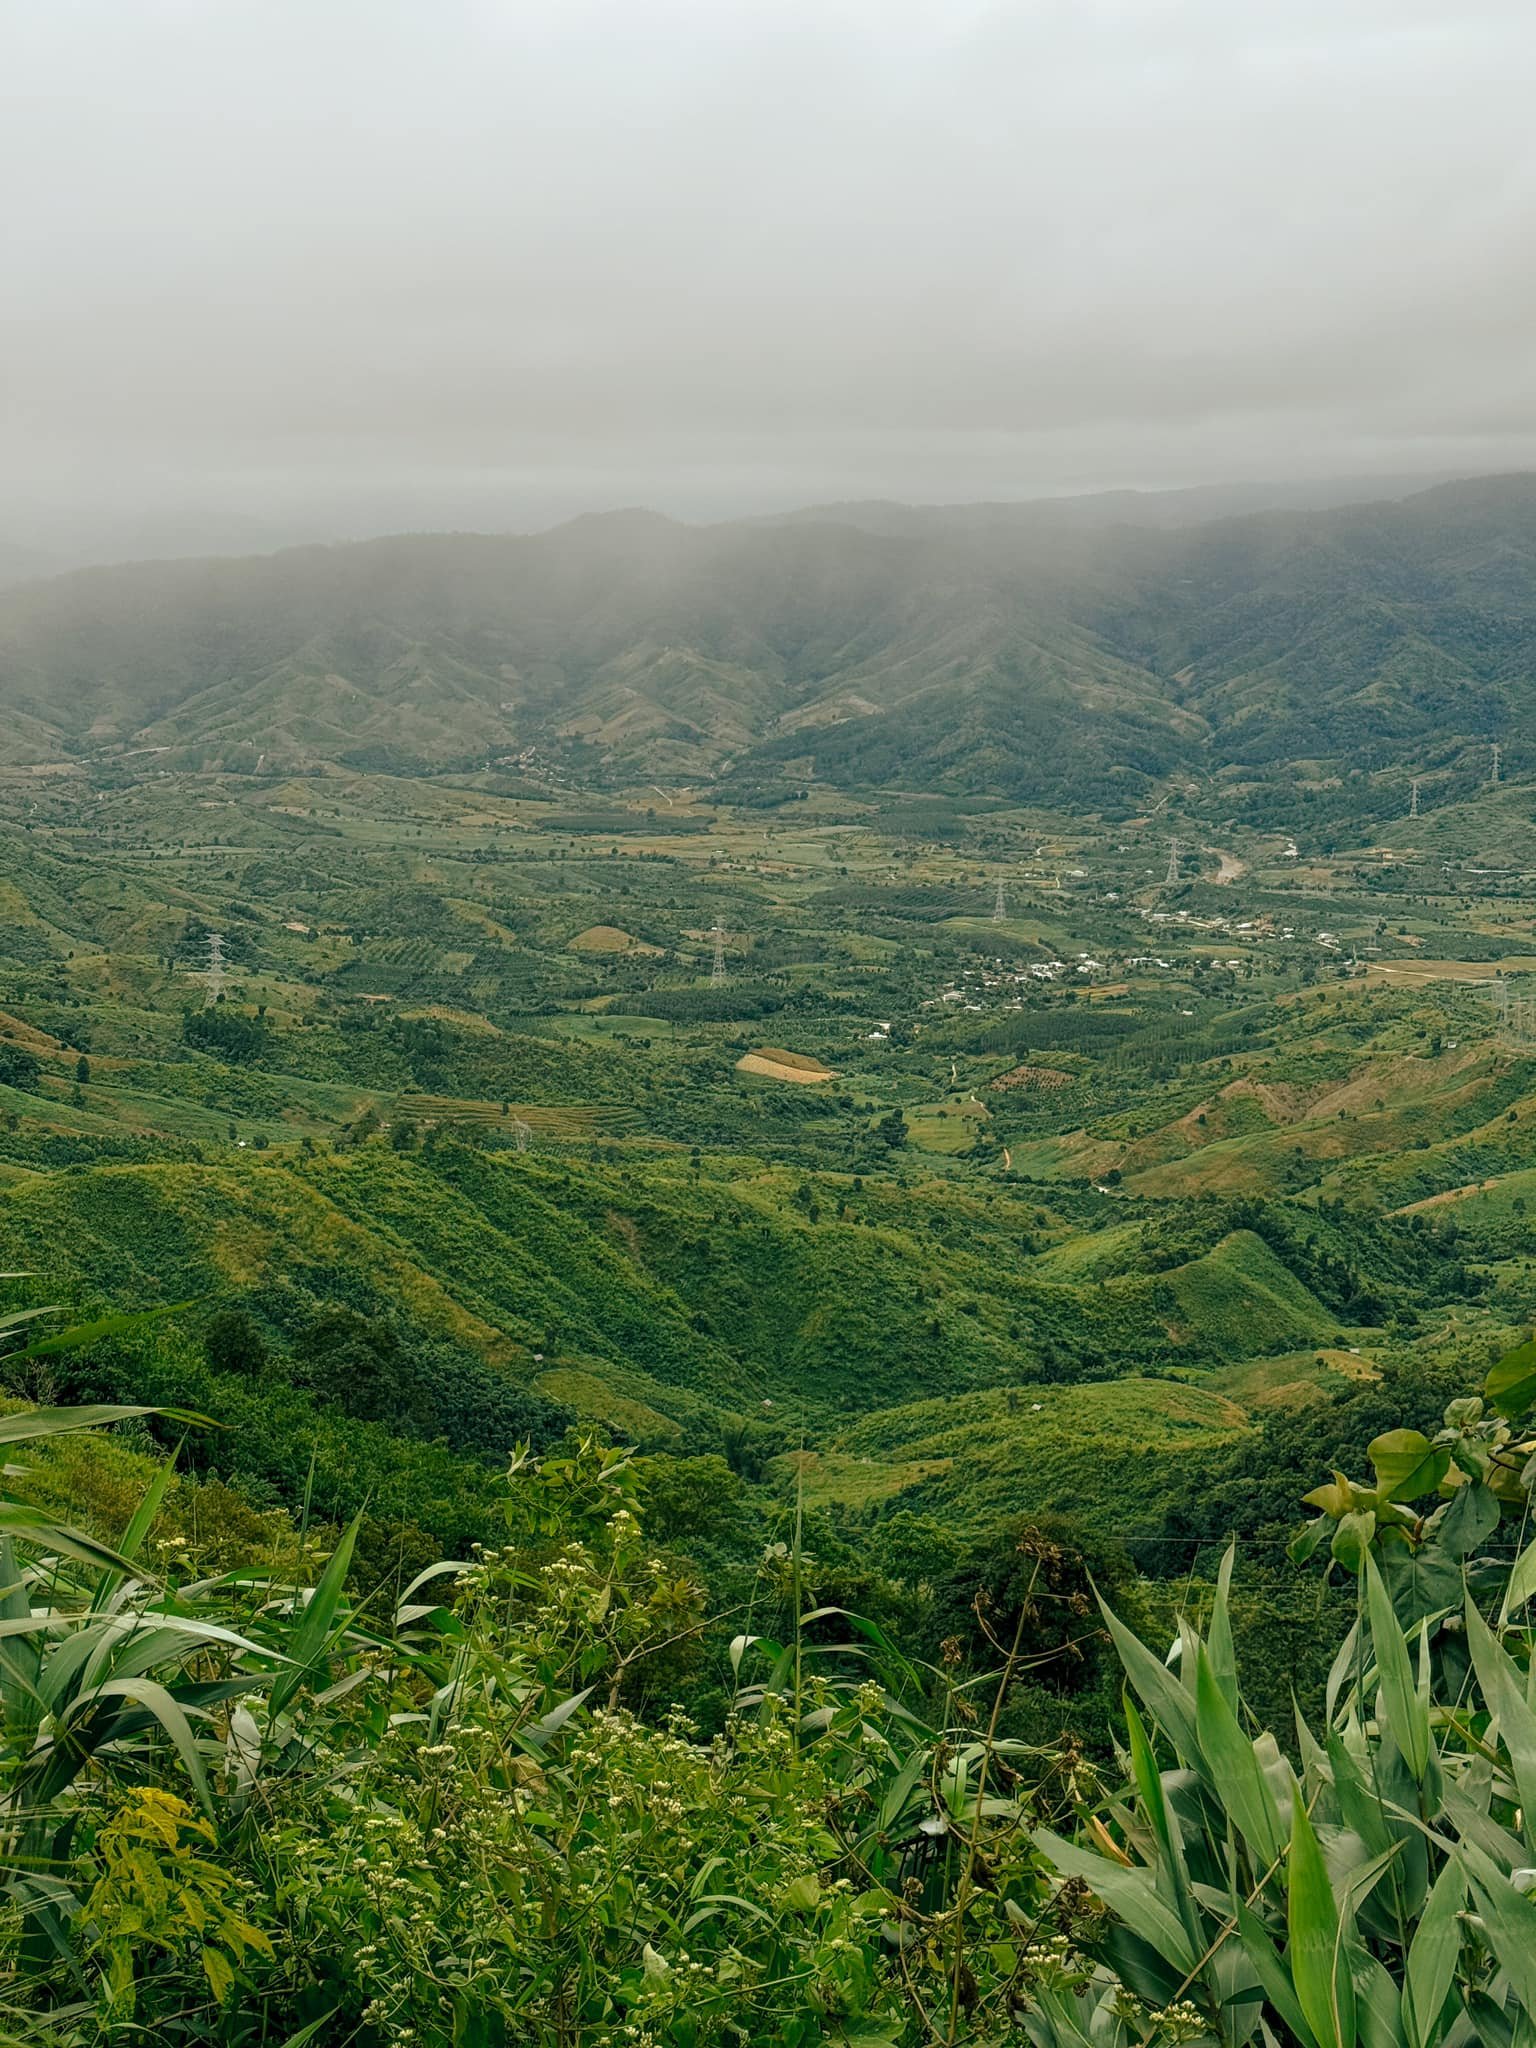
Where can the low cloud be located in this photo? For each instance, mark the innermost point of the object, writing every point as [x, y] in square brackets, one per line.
[328, 265]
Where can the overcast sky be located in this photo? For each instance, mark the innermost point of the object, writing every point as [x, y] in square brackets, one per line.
[313, 267]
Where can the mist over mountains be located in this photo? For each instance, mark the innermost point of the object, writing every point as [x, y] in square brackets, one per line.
[1071, 647]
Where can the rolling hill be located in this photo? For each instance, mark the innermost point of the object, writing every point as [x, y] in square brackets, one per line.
[1022, 651]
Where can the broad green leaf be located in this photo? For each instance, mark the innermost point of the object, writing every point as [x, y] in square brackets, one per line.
[1522, 1583]
[105, 1326]
[1509, 1921]
[1378, 2003]
[1432, 1957]
[31, 1423]
[539, 1734]
[1352, 1539]
[445, 1568]
[1345, 1665]
[1127, 1893]
[1511, 1383]
[311, 1638]
[1505, 1698]
[1359, 1804]
[20, 1662]
[1165, 1825]
[31, 1525]
[140, 1523]
[1218, 1637]
[145, 1692]
[1162, 1695]
[1406, 1714]
[1149, 1779]
[1424, 1581]
[307, 2034]
[713, 1904]
[1468, 1814]
[899, 1790]
[1335, 1497]
[1272, 1974]
[1234, 1769]
[1316, 1954]
[1407, 1464]
[1469, 1520]
[220, 1975]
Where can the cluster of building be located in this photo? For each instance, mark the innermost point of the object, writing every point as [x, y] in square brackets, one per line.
[1246, 928]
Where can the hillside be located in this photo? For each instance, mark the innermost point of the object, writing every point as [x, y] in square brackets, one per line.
[1021, 651]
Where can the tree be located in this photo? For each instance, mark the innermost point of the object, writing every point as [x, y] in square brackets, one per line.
[359, 1365]
[892, 1130]
[232, 1343]
[228, 1035]
[18, 1067]
[82, 1070]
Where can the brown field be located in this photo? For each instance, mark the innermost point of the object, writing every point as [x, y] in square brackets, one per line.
[20, 1033]
[608, 938]
[1411, 972]
[776, 1065]
[1476, 1187]
[1032, 1077]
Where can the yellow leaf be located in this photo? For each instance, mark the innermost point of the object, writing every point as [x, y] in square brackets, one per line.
[220, 1976]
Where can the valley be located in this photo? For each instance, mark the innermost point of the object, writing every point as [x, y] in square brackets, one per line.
[982, 1100]
[720, 1180]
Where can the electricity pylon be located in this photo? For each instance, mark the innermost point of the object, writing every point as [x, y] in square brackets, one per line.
[999, 904]
[1172, 881]
[717, 969]
[1413, 797]
[213, 978]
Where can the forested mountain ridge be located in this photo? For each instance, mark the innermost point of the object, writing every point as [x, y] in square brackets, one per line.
[985, 653]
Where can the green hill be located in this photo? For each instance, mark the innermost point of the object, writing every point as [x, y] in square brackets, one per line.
[1096, 1450]
[652, 1286]
[1035, 657]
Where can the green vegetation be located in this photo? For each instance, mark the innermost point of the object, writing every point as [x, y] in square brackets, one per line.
[842, 1323]
[288, 1797]
[939, 662]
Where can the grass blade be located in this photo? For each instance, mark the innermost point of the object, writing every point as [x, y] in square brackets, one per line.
[1405, 1712]
[1432, 1957]
[312, 1635]
[1324, 1988]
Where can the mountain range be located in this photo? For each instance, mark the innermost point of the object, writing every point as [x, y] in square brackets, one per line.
[1085, 648]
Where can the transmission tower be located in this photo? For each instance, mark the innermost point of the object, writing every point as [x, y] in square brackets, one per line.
[522, 1134]
[1173, 864]
[999, 903]
[717, 969]
[1500, 994]
[213, 978]
[1493, 768]
[1413, 797]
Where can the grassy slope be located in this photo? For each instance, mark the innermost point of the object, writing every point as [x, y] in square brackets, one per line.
[654, 1285]
[1103, 1447]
